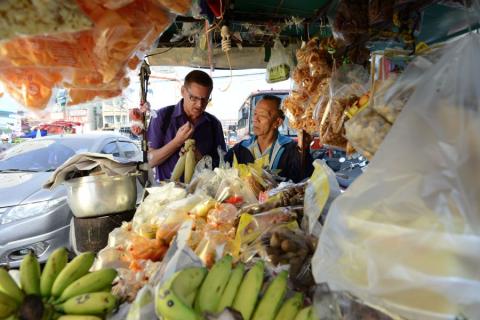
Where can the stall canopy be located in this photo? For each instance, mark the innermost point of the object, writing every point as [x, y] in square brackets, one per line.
[96, 55]
[254, 25]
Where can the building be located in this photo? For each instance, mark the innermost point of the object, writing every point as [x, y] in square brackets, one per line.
[115, 113]
[10, 123]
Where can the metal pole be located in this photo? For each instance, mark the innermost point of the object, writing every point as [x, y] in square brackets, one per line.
[144, 77]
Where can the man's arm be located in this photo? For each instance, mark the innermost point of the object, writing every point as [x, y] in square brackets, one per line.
[292, 164]
[158, 156]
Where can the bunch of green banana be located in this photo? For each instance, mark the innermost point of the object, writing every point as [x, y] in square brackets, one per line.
[212, 288]
[63, 290]
[174, 299]
[192, 292]
[186, 163]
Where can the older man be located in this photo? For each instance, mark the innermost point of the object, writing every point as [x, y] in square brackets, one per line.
[282, 152]
[187, 119]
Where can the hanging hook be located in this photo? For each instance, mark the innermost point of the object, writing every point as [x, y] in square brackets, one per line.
[144, 77]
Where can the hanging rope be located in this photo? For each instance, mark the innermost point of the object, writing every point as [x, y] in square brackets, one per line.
[226, 47]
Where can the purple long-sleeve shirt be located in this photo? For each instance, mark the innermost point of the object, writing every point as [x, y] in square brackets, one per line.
[208, 135]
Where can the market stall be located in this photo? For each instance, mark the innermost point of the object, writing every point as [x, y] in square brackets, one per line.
[240, 242]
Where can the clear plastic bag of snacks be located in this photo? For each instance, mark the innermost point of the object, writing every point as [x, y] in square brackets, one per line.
[405, 235]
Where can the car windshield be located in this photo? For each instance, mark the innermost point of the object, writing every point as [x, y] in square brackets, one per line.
[37, 155]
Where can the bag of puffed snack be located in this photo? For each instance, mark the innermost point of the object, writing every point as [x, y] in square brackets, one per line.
[405, 236]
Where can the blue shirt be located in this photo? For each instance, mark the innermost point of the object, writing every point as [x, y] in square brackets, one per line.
[208, 135]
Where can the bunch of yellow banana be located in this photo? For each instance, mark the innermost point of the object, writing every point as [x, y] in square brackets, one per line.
[193, 291]
[186, 163]
[63, 290]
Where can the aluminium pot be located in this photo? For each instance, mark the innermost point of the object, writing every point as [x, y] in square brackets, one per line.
[99, 195]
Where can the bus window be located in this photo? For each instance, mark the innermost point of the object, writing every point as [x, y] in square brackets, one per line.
[243, 119]
[284, 129]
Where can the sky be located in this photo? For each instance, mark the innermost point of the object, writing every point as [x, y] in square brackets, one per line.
[228, 93]
[7, 103]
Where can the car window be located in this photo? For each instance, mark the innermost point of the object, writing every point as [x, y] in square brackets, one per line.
[130, 150]
[41, 155]
[111, 148]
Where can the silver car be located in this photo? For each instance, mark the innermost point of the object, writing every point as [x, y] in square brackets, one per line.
[33, 218]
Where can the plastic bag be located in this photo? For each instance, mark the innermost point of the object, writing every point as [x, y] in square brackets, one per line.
[255, 174]
[234, 190]
[204, 182]
[30, 18]
[349, 20]
[91, 63]
[380, 12]
[322, 188]
[146, 217]
[395, 91]
[406, 234]
[214, 235]
[310, 77]
[251, 227]
[177, 6]
[205, 163]
[178, 256]
[287, 194]
[279, 65]
[286, 245]
[366, 131]
[368, 128]
[342, 305]
[174, 214]
[143, 306]
[31, 86]
[347, 84]
[392, 109]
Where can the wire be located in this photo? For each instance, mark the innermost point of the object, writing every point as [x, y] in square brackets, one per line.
[178, 44]
[158, 53]
[209, 47]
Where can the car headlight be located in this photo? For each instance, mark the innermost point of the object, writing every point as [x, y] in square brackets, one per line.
[32, 209]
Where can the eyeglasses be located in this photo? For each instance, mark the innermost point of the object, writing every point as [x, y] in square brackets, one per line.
[196, 99]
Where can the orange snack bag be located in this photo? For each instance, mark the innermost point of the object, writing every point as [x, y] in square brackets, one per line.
[63, 51]
[91, 63]
[30, 86]
[177, 6]
[147, 249]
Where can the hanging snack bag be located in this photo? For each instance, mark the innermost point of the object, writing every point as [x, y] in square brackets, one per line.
[278, 68]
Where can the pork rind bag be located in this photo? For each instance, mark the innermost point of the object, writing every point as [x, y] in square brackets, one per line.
[406, 235]
[88, 62]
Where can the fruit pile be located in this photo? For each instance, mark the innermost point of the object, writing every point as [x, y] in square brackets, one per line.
[63, 290]
[192, 293]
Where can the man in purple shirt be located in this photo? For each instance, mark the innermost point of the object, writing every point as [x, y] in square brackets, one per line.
[187, 119]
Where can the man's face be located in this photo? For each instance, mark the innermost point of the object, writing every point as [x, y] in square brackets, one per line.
[195, 100]
[266, 118]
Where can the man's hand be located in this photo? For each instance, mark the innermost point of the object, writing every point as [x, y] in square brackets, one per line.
[183, 133]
